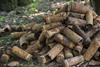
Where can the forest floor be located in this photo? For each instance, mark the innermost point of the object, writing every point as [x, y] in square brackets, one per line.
[23, 15]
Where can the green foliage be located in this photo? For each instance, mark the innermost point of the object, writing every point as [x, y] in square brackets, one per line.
[2, 18]
[5, 40]
[33, 6]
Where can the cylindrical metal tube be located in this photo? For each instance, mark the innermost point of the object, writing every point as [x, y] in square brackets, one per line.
[72, 35]
[92, 50]
[32, 48]
[42, 37]
[27, 26]
[97, 56]
[7, 28]
[79, 8]
[51, 32]
[89, 19]
[44, 59]
[80, 32]
[68, 53]
[73, 61]
[13, 64]
[50, 55]
[24, 40]
[55, 51]
[37, 27]
[51, 26]
[77, 15]
[21, 53]
[72, 20]
[51, 45]
[16, 35]
[92, 32]
[60, 57]
[64, 41]
[78, 49]
[4, 58]
[56, 18]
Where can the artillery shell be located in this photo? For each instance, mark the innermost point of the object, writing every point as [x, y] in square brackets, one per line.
[89, 19]
[1, 32]
[51, 26]
[79, 22]
[21, 53]
[4, 58]
[93, 62]
[78, 49]
[24, 40]
[44, 59]
[51, 32]
[37, 27]
[16, 27]
[80, 32]
[96, 25]
[79, 8]
[27, 26]
[64, 41]
[75, 7]
[7, 28]
[30, 37]
[60, 57]
[91, 33]
[77, 15]
[13, 64]
[42, 37]
[97, 19]
[87, 2]
[97, 56]
[50, 55]
[32, 48]
[43, 51]
[55, 51]
[51, 45]
[94, 14]
[63, 9]
[22, 27]
[16, 35]
[97, 36]
[72, 35]
[56, 18]
[92, 50]
[73, 61]
[50, 40]
[40, 52]
[68, 53]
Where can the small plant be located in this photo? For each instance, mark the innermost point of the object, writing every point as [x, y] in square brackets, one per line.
[1, 19]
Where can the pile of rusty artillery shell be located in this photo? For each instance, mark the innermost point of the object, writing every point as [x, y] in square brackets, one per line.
[70, 37]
